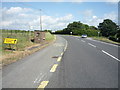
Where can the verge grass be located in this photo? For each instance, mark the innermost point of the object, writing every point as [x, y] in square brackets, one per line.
[49, 37]
[104, 39]
[23, 41]
[21, 51]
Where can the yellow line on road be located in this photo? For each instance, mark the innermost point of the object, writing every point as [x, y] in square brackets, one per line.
[65, 48]
[59, 59]
[61, 53]
[43, 85]
[54, 68]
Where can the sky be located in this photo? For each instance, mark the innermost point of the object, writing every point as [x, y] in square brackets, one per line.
[55, 15]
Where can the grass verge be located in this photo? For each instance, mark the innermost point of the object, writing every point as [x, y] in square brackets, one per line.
[49, 37]
[12, 56]
[104, 39]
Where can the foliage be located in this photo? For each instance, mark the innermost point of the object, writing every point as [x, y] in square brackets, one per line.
[78, 28]
[108, 28]
[48, 31]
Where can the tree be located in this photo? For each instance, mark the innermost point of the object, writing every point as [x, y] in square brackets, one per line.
[93, 28]
[78, 28]
[108, 28]
[48, 31]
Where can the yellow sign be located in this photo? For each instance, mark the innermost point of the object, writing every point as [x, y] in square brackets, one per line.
[10, 41]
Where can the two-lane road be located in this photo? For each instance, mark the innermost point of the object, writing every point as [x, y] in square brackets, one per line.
[87, 64]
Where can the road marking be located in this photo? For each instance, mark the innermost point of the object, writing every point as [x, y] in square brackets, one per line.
[54, 68]
[39, 77]
[59, 59]
[91, 45]
[104, 42]
[43, 84]
[61, 53]
[35, 80]
[65, 46]
[110, 55]
[82, 40]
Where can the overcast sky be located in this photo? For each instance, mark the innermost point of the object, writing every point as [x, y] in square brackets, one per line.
[55, 15]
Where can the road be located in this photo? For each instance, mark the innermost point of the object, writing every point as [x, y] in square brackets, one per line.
[86, 63]
[31, 70]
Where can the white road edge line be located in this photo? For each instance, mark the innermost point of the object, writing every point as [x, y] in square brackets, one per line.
[110, 55]
[104, 42]
[91, 45]
[66, 46]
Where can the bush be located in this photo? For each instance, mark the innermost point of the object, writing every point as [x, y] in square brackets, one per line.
[112, 38]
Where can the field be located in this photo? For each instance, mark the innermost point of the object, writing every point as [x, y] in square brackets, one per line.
[23, 38]
[20, 49]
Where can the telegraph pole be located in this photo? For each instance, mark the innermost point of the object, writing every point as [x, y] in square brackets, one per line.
[40, 21]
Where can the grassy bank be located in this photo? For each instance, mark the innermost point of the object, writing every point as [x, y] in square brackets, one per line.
[104, 39]
[49, 37]
[24, 42]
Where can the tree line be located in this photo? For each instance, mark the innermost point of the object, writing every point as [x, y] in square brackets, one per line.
[107, 28]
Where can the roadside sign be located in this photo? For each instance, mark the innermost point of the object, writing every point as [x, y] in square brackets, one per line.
[10, 41]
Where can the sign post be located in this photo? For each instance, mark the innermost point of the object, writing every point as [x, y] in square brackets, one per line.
[10, 41]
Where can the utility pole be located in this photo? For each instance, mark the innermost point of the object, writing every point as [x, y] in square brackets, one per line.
[40, 21]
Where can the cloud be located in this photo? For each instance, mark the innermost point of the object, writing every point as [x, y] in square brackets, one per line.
[94, 20]
[16, 10]
[112, 15]
[23, 18]
[53, 23]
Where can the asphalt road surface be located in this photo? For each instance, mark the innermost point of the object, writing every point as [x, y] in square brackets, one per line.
[86, 63]
[33, 69]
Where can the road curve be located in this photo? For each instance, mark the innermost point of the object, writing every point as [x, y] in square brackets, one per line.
[87, 64]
